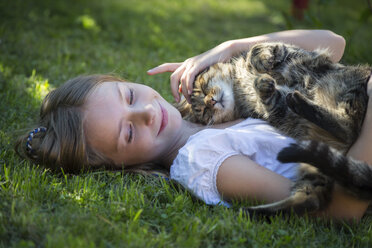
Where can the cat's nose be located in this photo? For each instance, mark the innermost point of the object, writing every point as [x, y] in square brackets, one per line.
[211, 102]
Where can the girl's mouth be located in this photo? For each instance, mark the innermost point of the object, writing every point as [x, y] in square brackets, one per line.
[164, 118]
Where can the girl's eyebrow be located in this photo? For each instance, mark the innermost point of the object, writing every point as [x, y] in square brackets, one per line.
[119, 92]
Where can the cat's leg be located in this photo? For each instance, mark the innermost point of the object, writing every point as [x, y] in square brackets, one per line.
[269, 96]
[315, 114]
[269, 57]
[353, 175]
[273, 59]
[288, 64]
[272, 106]
[265, 88]
[264, 57]
[310, 193]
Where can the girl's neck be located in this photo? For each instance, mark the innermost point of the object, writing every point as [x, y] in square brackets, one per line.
[187, 129]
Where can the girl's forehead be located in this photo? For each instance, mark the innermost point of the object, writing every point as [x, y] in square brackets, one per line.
[103, 94]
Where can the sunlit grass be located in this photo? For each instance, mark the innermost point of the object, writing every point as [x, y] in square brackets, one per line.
[88, 23]
[38, 86]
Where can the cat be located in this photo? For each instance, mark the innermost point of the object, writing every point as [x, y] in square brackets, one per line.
[304, 95]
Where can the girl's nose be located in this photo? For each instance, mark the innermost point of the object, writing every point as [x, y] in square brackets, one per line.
[145, 114]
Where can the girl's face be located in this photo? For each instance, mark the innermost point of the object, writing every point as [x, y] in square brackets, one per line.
[130, 123]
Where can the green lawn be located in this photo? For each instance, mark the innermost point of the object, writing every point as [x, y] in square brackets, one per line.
[43, 43]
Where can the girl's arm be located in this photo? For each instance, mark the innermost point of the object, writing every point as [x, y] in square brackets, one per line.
[240, 178]
[306, 39]
[186, 71]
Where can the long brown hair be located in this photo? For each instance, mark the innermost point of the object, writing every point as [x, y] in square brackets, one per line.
[63, 144]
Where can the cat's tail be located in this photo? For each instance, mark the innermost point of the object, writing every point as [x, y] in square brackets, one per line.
[354, 175]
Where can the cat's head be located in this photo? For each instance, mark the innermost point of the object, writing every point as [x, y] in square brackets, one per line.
[212, 99]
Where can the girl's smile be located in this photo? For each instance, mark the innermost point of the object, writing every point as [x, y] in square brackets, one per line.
[164, 118]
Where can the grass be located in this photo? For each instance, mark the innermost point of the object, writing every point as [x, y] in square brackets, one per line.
[43, 43]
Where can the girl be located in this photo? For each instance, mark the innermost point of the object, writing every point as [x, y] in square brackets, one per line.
[100, 120]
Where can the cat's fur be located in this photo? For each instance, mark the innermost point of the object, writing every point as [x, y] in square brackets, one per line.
[304, 95]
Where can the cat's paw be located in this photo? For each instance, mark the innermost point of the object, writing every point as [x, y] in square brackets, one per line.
[264, 86]
[265, 57]
[296, 102]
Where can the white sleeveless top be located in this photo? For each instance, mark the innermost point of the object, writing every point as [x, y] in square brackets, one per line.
[197, 162]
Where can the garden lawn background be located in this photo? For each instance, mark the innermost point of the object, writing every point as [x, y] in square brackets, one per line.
[44, 43]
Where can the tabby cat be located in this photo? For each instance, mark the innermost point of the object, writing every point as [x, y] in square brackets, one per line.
[305, 96]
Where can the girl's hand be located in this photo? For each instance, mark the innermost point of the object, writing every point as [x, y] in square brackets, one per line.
[184, 74]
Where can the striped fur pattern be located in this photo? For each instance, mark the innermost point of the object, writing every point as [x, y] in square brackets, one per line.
[305, 96]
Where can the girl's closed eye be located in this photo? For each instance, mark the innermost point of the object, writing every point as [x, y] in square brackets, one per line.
[131, 96]
[130, 133]
[130, 129]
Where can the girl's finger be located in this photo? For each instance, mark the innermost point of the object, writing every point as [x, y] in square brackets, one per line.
[185, 93]
[175, 79]
[184, 86]
[167, 67]
[190, 78]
